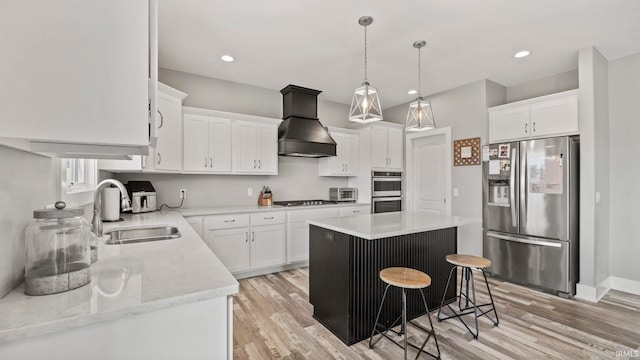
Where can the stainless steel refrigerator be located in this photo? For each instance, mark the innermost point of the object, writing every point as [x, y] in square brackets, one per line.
[530, 212]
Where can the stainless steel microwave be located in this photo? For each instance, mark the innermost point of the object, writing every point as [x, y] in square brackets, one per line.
[385, 183]
[343, 194]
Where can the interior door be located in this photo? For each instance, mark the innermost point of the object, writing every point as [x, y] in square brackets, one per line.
[429, 187]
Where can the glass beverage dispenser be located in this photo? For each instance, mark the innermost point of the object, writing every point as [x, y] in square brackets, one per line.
[57, 251]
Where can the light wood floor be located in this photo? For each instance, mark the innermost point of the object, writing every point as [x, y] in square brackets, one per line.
[273, 320]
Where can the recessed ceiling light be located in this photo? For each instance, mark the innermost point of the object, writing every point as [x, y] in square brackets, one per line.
[412, 92]
[521, 54]
[227, 58]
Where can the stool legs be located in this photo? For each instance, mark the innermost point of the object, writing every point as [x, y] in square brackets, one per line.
[403, 329]
[464, 291]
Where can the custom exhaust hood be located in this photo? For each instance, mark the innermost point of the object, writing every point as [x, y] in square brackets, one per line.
[301, 133]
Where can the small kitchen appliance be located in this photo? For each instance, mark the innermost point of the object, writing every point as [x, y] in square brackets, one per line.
[58, 253]
[386, 191]
[346, 194]
[142, 195]
[266, 197]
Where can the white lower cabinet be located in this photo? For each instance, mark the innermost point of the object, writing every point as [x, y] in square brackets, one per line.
[355, 210]
[196, 224]
[246, 242]
[298, 231]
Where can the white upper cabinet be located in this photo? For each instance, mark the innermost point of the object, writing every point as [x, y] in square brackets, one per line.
[207, 144]
[255, 147]
[551, 115]
[75, 78]
[345, 163]
[386, 147]
[166, 156]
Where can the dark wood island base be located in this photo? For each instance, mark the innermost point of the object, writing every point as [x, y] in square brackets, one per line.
[344, 285]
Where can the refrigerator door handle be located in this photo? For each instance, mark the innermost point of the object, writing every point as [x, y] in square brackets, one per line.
[524, 241]
[512, 180]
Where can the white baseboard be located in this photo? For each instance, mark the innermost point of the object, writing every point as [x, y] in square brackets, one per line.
[595, 293]
[626, 285]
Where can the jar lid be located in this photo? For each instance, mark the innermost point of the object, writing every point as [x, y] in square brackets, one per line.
[58, 213]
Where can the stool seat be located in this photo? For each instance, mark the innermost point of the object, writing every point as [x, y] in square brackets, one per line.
[468, 261]
[405, 278]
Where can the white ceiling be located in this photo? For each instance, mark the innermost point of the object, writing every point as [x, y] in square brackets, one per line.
[319, 44]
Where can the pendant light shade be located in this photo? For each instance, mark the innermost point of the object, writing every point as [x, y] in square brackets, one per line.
[365, 103]
[420, 114]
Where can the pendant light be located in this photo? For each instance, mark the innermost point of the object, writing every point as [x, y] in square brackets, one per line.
[420, 115]
[365, 104]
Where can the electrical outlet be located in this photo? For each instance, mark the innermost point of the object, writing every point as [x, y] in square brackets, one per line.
[249, 191]
[183, 193]
[455, 192]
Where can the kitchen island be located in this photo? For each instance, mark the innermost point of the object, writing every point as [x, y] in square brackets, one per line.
[168, 299]
[347, 254]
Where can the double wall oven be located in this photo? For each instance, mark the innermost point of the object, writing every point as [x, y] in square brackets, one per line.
[386, 191]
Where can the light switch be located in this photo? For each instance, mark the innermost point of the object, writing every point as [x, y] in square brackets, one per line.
[597, 196]
[249, 191]
[455, 192]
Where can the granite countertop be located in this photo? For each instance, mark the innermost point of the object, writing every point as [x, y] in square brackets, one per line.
[377, 226]
[220, 210]
[127, 280]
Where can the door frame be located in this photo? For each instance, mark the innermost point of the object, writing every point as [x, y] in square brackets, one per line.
[409, 141]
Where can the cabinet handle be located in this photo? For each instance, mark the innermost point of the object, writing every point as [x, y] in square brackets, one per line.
[254, 164]
[230, 221]
[259, 164]
[161, 119]
[159, 158]
[534, 126]
[346, 167]
[526, 126]
[269, 218]
[144, 161]
[211, 162]
[356, 211]
[246, 239]
[205, 161]
[253, 236]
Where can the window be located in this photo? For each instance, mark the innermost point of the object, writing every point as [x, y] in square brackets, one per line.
[78, 178]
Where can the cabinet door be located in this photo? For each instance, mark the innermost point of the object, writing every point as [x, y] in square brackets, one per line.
[394, 148]
[90, 84]
[231, 247]
[267, 246]
[554, 117]
[337, 164]
[219, 145]
[379, 158]
[509, 124]
[267, 150]
[351, 151]
[196, 223]
[168, 151]
[298, 238]
[245, 137]
[196, 143]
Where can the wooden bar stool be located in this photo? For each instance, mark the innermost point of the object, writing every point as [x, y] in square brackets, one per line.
[467, 263]
[405, 278]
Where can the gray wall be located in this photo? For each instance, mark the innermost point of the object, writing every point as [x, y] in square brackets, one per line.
[545, 86]
[624, 127]
[298, 177]
[27, 182]
[464, 109]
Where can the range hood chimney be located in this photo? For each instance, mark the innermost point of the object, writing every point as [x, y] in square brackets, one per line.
[301, 133]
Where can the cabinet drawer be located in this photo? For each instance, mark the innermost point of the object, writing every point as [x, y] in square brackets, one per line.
[226, 221]
[312, 214]
[267, 218]
[354, 210]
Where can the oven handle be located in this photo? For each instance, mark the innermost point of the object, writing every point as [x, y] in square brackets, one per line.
[387, 199]
[387, 179]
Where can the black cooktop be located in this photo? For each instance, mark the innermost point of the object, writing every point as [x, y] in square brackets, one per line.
[304, 202]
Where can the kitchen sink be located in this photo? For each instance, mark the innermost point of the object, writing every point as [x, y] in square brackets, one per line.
[141, 234]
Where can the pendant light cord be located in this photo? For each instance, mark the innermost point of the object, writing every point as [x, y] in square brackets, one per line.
[365, 54]
[419, 73]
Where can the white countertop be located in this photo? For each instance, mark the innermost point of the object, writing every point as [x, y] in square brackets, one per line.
[127, 280]
[220, 210]
[377, 226]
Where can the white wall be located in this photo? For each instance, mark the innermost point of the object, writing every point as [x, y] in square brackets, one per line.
[298, 177]
[624, 127]
[464, 109]
[545, 86]
[27, 182]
